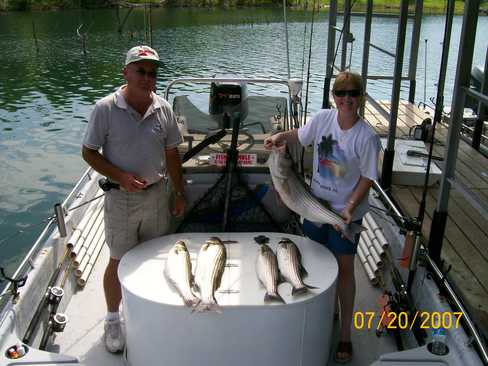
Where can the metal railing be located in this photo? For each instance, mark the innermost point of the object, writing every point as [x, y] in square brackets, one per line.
[22, 268]
[469, 325]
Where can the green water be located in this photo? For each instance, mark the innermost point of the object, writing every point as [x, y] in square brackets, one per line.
[46, 96]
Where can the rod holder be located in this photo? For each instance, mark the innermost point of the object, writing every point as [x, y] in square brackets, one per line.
[55, 295]
[59, 212]
[59, 322]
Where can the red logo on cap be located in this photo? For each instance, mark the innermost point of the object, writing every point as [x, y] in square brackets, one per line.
[143, 52]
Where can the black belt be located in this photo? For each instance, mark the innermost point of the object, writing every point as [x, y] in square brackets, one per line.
[107, 185]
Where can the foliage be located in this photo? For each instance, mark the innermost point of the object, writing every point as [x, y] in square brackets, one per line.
[380, 6]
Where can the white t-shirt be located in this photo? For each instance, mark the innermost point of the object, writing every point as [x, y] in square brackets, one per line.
[340, 158]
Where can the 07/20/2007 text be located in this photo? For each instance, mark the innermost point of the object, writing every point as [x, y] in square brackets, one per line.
[405, 320]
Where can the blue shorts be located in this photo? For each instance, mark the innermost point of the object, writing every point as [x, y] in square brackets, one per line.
[326, 234]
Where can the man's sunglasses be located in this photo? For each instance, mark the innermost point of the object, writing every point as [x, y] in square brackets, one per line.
[352, 93]
[151, 74]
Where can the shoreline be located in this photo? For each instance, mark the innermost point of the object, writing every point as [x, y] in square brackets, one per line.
[384, 9]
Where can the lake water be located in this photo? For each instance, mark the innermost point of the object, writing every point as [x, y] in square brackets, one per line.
[46, 97]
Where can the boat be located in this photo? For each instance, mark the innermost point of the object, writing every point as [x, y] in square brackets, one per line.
[52, 308]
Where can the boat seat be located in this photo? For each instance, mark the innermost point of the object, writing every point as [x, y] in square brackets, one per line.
[261, 110]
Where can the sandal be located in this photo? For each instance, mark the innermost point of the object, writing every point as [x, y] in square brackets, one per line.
[343, 353]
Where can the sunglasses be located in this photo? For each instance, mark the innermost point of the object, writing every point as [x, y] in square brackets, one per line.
[352, 93]
[150, 74]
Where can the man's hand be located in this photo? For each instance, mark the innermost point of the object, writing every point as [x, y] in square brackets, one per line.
[179, 206]
[131, 182]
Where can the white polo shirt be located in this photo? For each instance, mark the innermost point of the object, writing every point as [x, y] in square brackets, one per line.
[132, 142]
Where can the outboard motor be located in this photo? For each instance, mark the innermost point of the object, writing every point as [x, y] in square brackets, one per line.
[476, 80]
[228, 102]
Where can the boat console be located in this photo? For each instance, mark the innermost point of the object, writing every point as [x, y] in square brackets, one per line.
[162, 330]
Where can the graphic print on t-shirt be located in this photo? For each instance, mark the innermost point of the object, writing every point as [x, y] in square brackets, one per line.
[332, 159]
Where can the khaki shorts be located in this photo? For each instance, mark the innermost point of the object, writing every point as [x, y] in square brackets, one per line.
[131, 218]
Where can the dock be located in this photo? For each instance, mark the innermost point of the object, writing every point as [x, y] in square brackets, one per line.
[465, 244]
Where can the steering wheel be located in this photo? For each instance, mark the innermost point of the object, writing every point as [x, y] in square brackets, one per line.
[244, 141]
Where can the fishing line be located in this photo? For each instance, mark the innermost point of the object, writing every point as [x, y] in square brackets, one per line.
[304, 42]
[46, 220]
[345, 20]
[309, 60]
[22, 231]
[388, 211]
[286, 39]
[85, 203]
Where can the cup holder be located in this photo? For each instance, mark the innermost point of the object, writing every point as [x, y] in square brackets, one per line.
[16, 351]
[443, 353]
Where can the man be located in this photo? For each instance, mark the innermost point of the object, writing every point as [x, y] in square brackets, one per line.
[137, 133]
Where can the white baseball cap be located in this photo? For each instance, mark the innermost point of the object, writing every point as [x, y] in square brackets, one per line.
[139, 53]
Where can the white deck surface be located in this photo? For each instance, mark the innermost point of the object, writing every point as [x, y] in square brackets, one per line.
[83, 335]
[301, 329]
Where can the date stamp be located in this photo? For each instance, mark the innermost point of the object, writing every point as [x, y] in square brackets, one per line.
[404, 320]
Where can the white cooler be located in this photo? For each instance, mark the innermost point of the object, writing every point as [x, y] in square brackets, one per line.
[248, 332]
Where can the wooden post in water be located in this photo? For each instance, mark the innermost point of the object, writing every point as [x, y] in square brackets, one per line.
[150, 25]
[121, 25]
[82, 36]
[117, 14]
[35, 37]
[146, 36]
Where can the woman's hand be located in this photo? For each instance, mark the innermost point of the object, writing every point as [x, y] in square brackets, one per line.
[278, 141]
[346, 215]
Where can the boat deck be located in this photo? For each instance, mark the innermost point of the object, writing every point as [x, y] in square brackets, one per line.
[466, 238]
[83, 335]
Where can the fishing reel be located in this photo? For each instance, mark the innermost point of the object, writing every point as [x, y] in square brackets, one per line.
[16, 284]
[423, 131]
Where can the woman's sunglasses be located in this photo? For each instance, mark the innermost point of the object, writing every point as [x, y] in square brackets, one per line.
[352, 93]
[150, 74]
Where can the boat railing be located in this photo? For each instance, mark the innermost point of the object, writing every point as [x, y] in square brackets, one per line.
[465, 191]
[226, 80]
[440, 278]
[294, 89]
[24, 265]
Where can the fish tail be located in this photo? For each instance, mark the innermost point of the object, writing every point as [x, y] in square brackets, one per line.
[299, 290]
[311, 287]
[352, 230]
[204, 307]
[268, 297]
[192, 302]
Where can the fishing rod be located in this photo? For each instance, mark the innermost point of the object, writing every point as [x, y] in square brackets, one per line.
[330, 70]
[417, 224]
[401, 299]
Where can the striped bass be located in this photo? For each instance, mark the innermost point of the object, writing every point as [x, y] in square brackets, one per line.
[298, 198]
[208, 273]
[178, 273]
[290, 266]
[268, 273]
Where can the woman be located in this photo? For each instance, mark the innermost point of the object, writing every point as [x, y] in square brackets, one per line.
[344, 166]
